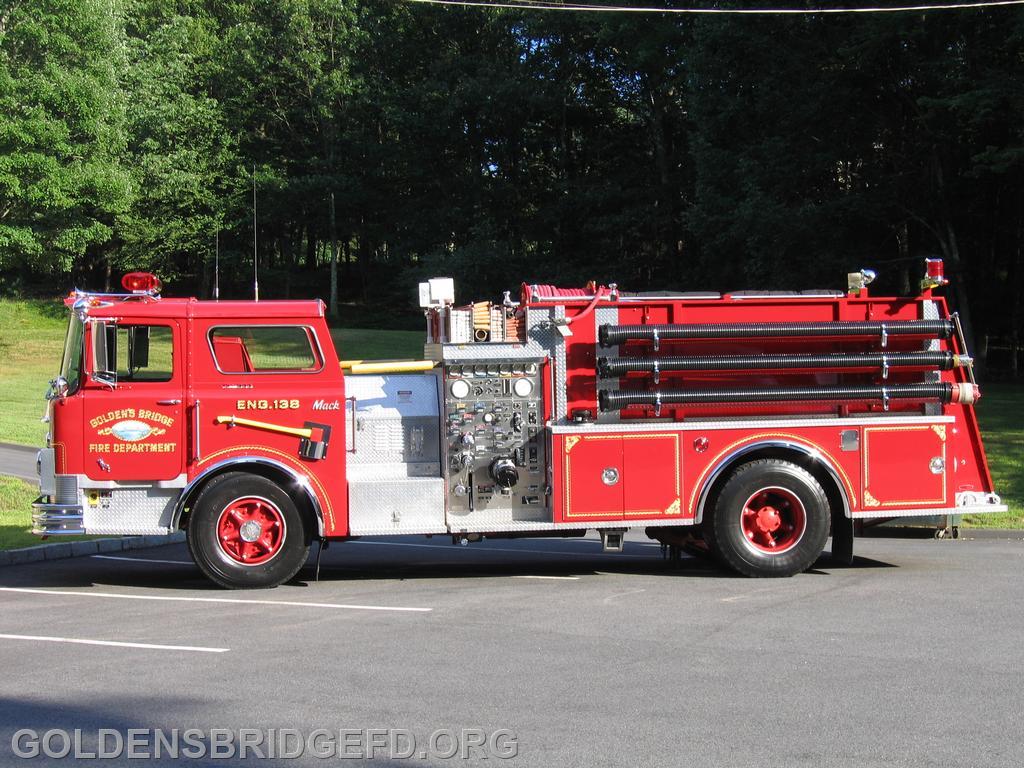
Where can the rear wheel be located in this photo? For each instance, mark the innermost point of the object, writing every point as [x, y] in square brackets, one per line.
[245, 532]
[771, 519]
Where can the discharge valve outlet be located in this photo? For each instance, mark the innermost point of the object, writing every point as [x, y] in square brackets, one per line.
[504, 472]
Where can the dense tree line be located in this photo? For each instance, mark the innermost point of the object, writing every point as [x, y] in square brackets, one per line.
[401, 141]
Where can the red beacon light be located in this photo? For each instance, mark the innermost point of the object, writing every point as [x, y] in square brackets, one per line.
[934, 274]
[141, 282]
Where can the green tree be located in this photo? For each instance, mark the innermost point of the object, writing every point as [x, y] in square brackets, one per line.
[61, 131]
[180, 150]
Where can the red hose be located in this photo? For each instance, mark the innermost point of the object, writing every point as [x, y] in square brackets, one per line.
[590, 307]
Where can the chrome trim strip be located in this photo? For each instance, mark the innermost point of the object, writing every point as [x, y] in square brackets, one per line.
[298, 479]
[875, 512]
[764, 423]
[808, 452]
[196, 455]
[86, 482]
[525, 527]
[47, 506]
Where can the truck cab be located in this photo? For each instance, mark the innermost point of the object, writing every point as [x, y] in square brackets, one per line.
[162, 400]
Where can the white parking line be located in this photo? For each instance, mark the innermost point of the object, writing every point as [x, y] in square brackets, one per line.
[489, 548]
[142, 560]
[235, 601]
[558, 578]
[82, 641]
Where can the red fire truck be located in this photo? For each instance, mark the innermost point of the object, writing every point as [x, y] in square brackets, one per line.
[753, 422]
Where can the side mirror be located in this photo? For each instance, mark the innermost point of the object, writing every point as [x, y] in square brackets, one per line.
[58, 388]
[104, 354]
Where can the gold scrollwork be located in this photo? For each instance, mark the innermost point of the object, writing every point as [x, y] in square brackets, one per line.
[571, 441]
[869, 500]
[673, 508]
[940, 430]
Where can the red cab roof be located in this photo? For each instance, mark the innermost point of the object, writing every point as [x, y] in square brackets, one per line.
[228, 310]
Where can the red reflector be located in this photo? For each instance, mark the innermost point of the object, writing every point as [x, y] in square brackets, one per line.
[141, 282]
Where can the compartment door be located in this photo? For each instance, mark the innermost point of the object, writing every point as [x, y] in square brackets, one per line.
[905, 466]
[652, 471]
[592, 475]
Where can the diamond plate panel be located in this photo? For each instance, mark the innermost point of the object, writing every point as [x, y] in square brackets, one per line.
[561, 395]
[397, 427]
[491, 518]
[930, 311]
[397, 505]
[607, 316]
[128, 511]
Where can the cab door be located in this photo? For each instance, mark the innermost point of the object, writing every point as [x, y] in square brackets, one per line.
[133, 426]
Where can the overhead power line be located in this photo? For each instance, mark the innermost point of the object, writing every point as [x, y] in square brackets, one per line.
[550, 5]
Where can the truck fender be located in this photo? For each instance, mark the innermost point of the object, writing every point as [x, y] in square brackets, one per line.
[289, 479]
[800, 454]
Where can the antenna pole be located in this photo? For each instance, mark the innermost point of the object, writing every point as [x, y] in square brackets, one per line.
[216, 267]
[255, 257]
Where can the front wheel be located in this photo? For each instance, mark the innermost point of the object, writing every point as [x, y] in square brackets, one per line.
[771, 519]
[245, 532]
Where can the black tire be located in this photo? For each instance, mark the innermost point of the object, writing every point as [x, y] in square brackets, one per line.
[276, 542]
[771, 518]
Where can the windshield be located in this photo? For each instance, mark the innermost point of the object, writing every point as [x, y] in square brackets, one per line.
[71, 365]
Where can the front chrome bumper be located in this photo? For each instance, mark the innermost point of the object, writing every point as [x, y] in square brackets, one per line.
[49, 519]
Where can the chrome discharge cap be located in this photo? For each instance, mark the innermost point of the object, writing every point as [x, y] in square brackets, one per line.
[504, 472]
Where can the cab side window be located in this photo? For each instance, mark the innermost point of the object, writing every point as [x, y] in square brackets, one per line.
[265, 349]
[144, 353]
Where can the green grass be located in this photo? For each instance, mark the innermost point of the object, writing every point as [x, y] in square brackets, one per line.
[16, 497]
[363, 344]
[15, 513]
[31, 343]
[1001, 414]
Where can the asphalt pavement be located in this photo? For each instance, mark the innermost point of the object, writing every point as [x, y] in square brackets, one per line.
[19, 461]
[546, 650]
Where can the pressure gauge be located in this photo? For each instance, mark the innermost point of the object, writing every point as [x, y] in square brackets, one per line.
[522, 387]
[459, 389]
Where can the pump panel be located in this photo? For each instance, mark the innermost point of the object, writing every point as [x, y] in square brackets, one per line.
[495, 441]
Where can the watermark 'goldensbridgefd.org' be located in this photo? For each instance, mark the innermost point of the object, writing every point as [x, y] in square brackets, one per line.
[263, 743]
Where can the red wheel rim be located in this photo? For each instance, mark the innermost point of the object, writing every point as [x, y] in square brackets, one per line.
[773, 520]
[251, 530]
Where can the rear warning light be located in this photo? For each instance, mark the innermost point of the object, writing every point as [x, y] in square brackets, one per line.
[141, 282]
[935, 274]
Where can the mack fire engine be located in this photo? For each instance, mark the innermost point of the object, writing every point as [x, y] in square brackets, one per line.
[753, 424]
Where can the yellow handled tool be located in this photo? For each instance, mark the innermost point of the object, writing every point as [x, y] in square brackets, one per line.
[232, 421]
[387, 366]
